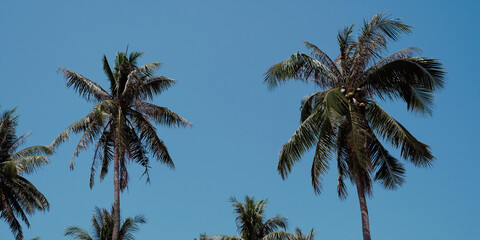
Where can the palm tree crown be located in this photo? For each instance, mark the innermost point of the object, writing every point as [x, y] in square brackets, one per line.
[120, 122]
[122, 117]
[18, 196]
[344, 119]
[102, 222]
[251, 222]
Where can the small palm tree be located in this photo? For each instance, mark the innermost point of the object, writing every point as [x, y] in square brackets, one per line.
[120, 122]
[251, 223]
[300, 236]
[102, 222]
[344, 117]
[18, 196]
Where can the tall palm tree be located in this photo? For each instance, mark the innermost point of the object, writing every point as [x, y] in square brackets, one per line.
[251, 223]
[102, 222]
[18, 196]
[120, 122]
[343, 117]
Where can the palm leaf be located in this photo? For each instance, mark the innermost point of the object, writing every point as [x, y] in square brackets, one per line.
[161, 115]
[86, 88]
[300, 67]
[150, 137]
[412, 79]
[77, 233]
[386, 126]
[279, 235]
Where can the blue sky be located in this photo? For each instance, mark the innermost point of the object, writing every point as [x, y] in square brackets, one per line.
[218, 51]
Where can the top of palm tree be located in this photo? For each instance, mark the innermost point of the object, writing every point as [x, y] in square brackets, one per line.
[122, 115]
[102, 223]
[251, 222]
[360, 65]
[344, 117]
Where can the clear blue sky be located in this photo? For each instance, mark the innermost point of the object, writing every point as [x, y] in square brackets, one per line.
[218, 52]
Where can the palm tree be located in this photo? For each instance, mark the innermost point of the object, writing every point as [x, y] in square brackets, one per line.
[120, 122]
[343, 117]
[251, 222]
[102, 222]
[300, 236]
[18, 196]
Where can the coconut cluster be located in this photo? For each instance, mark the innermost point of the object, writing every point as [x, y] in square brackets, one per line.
[357, 96]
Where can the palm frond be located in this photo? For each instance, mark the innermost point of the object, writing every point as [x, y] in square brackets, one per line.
[130, 226]
[381, 25]
[29, 164]
[77, 233]
[300, 67]
[323, 58]
[150, 137]
[132, 58]
[342, 160]
[386, 126]
[347, 45]
[18, 142]
[389, 171]
[152, 87]
[335, 105]
[161, 115]
[33, 150]
[149, 68]
[138, 153]
[86, 88]
[401, 54]
[275, 223]
[103, 154]
[109, 73]
[412, 79]
[302, 140]
[9, 216]
[28, 195]
[279, 235]
[308, 104]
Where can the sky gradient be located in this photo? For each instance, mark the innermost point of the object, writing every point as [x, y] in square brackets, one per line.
[218, 52]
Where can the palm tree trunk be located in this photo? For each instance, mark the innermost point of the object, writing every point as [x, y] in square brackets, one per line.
[116, 190]
[363, 209]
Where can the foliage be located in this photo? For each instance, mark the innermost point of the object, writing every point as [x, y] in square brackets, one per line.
[18, 196]
[122, 117]
[251, 222]
[102, 222]
[344, 118]
[121, 120]
[301, 236]
[344, 121]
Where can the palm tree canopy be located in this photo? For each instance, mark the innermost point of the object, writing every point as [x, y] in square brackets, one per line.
[343, 121]
[18, 196]
[102, 223]
[251, 222]
[122, 116]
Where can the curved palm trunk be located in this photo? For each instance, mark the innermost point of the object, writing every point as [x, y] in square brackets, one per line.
[116, 190]
[363, 209]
